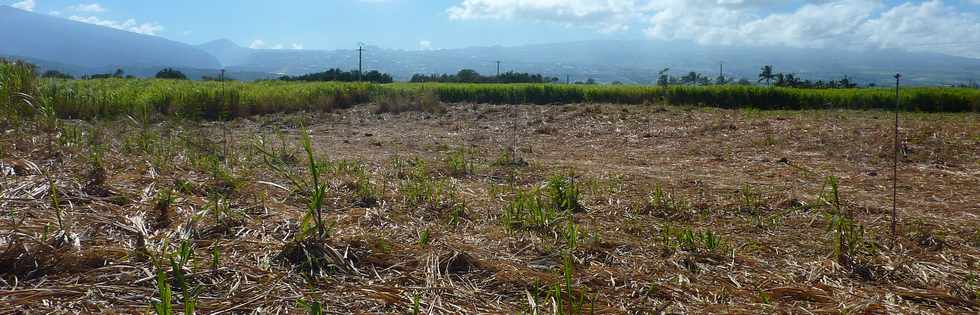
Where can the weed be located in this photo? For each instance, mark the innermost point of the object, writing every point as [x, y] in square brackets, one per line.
[457, 213]
[689, 240]
[847, 236]
[750, 201]
[457, 164]
[424, 237]
[224, 216]
[277, 159]
[165, 293]
[830, 195]
[709, 240]
[565, 299]
[428, 194]
[311, 308]
[55, 199]
[179, 260]
[564, 194]
[571, 235]
[667, 204]
[215, 258]
[222, 180]
[416, 304]
[184, 186]
[509, 158]
[163, 205]
[314, 214]
[358, 181]
[765, 298]
[528, 212]
[926, 236]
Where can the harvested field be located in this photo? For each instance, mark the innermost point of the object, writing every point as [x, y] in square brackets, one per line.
[494, 209]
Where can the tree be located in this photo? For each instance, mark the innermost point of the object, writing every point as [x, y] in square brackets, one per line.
[766, 74]
[55, 74]
[722, 80]
[695, 78]
[663, 78]
[170, 73]
[468, 76]
[341, 76]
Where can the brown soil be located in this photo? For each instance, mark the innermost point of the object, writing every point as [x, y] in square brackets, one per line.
[754, 178]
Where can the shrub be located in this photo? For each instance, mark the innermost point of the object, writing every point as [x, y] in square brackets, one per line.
[170, 73]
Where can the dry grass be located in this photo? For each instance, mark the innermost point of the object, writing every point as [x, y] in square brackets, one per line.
[754, 180]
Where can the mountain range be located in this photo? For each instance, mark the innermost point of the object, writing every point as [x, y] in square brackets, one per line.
[78, 48]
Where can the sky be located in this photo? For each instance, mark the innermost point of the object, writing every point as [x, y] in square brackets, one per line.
[942, 26]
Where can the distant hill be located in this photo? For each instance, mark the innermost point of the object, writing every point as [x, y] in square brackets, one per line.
[45, 37]
[80, 48]
[636, 61]
[140, 72]
[227, 52]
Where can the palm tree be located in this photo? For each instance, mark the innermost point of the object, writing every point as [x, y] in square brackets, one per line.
[766, 74]
[663, 78]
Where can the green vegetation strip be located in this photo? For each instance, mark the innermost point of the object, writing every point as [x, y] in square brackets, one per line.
[108, 98]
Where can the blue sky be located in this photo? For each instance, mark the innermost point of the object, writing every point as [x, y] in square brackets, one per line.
[946, 26]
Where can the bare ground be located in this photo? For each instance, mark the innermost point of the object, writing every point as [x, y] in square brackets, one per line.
[754, 178]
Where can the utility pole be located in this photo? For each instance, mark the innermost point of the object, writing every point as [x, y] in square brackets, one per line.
[721, 71]
[898, 102]
[360, 59]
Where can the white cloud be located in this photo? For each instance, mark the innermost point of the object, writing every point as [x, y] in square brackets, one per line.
[257, 44]
[852, 24]
[425, 45]
[928, 26]
[261, 44]
[732, 22]
[88, 8]
[913, 24]
[127, 25]
[604, 15]
[26, 5]
[55, 13]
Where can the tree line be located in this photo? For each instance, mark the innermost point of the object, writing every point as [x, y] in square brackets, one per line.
[372, 76]
[767, 75]
[791, 80]
[471, 76]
